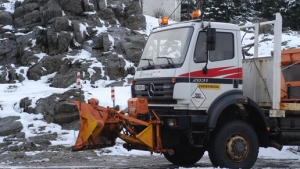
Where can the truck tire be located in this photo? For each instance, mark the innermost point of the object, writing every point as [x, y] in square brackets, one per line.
[234, 145]
[185, 154]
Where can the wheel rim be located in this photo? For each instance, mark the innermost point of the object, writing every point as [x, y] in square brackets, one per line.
[237, 148]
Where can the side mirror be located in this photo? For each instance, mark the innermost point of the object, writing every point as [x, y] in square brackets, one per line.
[211, 38]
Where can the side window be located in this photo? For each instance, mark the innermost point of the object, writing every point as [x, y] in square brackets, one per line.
[224, 47]
[200, 50]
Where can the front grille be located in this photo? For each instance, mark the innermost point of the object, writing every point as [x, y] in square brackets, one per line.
[163, 90]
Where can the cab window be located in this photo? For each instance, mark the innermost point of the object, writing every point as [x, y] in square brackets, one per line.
[224, 48]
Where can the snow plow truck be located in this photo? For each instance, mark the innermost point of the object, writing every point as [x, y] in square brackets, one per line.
[194, 91]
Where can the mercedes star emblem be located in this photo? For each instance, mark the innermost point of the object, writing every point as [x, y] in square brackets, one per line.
[151, 90]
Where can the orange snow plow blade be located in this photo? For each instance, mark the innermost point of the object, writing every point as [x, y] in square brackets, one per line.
[92, 122]
[100, 126]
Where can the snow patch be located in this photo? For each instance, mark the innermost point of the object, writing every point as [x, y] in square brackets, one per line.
[8, 27]
[82, 29]
[40, 55]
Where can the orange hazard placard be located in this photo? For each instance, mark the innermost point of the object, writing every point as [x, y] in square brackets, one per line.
[207, 86]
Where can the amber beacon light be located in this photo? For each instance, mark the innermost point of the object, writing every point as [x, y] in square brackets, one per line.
[163, 21]
[196, 14]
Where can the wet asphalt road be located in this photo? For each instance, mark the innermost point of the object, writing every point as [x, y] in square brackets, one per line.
[64, 158]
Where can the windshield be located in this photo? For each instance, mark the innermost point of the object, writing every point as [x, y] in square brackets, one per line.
[166, 49]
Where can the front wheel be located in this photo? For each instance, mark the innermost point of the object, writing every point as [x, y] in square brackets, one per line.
[234, 145]
[185, 154]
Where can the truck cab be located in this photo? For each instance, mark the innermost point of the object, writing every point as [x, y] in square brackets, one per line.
[177, 71]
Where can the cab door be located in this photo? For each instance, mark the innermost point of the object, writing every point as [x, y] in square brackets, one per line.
[223, 72]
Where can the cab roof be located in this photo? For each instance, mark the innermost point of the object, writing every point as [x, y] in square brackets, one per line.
[198, 23]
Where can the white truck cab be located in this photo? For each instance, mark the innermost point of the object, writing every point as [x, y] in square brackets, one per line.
[171, 72]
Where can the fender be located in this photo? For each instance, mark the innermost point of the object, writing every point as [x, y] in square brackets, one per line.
[227, 99]
[220, 104]
[263, 131]
[255, 106]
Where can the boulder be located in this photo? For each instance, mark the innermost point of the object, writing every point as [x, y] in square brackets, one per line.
[79, 31]
[40, 34]
[133, 47]
[132, 52]
[98, 42]
[19, 22]
[6, 18]
[66, 112]
[62, 24]
[133, 8]
[72, 6]
[9, 125]
[43, 139]
[9, 75]
[56, 109]
[102, 42]
[64, 41]
[19, 12]
[58, 42]
[97, 75]
[61, 80]
[101, 4]
[46, 66]
[74, 125]
[32, 17]
[134, 19]
[8, 52]
[66, 75]
[108, 15]
[114, 67]
[51, 10]
[88, 6]
[135, 22]
[106, 42]
[25, 104]
[28, 58]
[30, 7]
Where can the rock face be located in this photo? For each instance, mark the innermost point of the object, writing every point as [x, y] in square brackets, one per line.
[41, 34]
[55, 39]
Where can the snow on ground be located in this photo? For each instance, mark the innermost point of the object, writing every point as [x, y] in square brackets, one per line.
[11, 94]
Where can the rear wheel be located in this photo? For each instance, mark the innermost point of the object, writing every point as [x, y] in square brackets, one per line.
[234, 145]
[185, 154]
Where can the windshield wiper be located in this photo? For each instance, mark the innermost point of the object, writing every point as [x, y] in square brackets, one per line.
[170, 62]
[150, 66]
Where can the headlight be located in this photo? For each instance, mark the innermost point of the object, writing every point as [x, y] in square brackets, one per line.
[172, 122]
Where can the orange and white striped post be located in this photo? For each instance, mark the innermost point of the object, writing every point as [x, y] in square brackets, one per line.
[78, 80]
[78, 85]
[113, 95]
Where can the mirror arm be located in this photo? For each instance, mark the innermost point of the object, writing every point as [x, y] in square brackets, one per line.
[205, 70]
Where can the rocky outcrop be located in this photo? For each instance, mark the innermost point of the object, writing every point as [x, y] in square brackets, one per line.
[43, 33]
